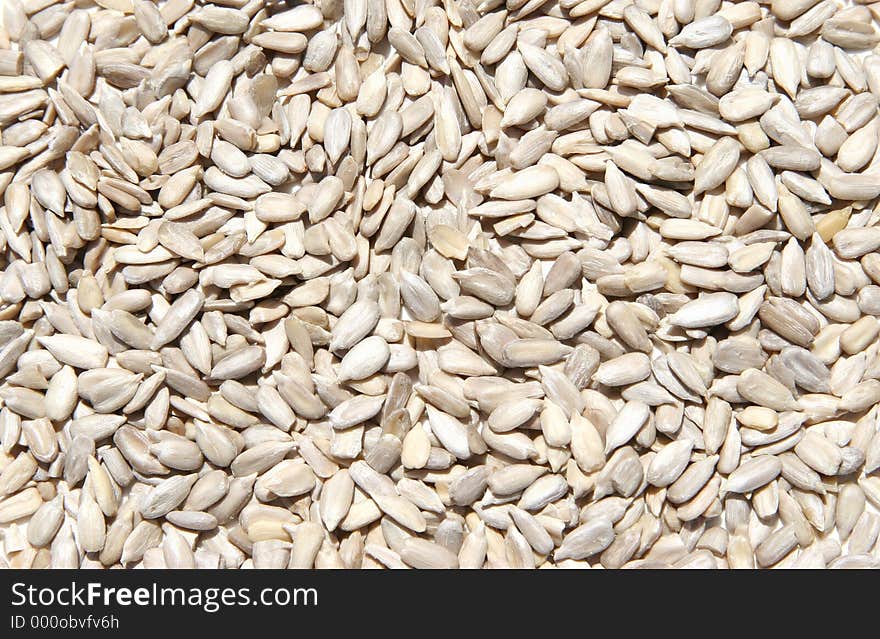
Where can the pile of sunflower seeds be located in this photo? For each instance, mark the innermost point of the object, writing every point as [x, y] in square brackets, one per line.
[439, 283]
